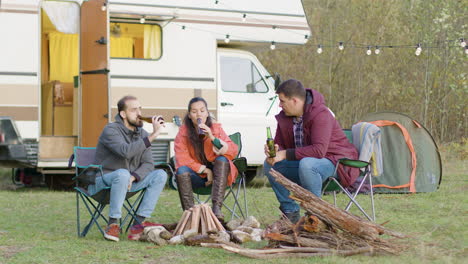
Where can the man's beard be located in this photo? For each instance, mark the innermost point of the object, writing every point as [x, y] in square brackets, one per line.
[135, 123]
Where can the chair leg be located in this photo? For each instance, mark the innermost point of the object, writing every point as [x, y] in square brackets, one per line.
[77, 213]
[372, 197]
[351, 197]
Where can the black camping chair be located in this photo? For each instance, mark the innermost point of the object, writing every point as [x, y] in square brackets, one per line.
[83, 157]
[333, 185]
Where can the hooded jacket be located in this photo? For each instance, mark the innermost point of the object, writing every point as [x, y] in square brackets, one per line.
[185, 153]
[323, 137]
[121, 148]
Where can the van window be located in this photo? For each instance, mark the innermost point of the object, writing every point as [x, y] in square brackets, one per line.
[241, 75]
[138, 41]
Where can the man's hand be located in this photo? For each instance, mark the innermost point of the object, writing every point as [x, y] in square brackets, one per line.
[267, 152]
[209, 176]
[132, 179]
[158, 123]
[280, 155]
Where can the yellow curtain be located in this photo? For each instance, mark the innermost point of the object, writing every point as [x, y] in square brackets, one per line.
[121, 47]
[152, 42]
[63, 56]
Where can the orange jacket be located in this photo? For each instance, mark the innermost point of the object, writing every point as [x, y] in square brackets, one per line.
[185, 154]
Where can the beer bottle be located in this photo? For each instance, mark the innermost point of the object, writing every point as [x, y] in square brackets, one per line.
[201, 133]
[149, 119]
[271, 144]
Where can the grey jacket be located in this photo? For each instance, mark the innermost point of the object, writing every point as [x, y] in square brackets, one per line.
[121, 148]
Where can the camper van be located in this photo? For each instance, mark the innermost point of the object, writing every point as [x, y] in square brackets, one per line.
[65, 64]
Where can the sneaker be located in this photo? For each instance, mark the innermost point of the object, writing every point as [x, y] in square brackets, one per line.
[112, 232]
[137, 230]
[293, 216]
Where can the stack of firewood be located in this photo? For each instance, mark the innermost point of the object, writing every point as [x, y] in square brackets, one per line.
[325, 230]
[200, 219]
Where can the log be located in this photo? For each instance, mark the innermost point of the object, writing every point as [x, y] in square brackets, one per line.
[218, 224]
[332, 215]
[179, 225]
[294, 252]
[305, 242]
[196, 218]
[183, 222]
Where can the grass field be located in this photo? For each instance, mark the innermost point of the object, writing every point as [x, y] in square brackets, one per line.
[39, 226]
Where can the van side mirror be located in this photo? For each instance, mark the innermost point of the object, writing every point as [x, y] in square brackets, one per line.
[278, 80]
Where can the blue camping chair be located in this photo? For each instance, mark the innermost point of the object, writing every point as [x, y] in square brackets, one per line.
[83, 157]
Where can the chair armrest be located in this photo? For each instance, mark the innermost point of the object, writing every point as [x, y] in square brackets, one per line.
[241, 164]
[354, 163]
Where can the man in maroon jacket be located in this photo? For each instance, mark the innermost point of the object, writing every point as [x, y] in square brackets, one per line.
[309, 141]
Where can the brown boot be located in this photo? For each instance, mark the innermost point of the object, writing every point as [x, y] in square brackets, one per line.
[184, 186]
[220, 174]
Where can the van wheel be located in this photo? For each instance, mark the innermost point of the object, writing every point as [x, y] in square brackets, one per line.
[62, 182]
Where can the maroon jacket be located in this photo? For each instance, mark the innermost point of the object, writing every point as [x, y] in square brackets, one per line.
[323, 137]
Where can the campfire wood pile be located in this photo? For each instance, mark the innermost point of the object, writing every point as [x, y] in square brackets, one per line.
[326, 230]
[200, 219]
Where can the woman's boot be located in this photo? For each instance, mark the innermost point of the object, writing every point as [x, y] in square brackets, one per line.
[184, 186]
[220, 174]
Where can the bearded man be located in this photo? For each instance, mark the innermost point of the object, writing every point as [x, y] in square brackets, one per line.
[124, 152]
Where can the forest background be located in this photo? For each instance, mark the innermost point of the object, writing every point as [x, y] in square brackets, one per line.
[431, 88]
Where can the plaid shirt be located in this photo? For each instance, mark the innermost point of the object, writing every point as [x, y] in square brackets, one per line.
[298, 131]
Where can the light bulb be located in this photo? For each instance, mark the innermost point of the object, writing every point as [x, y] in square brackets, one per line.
[244, 17]
[462, 42]
[341, 46]
[104, 7]
[227, 39]
[377, 50]
[306, 37]
[466, 50]
[142, 20]
[319, 49]
[418, 52]
[272, 46]
[369, 51]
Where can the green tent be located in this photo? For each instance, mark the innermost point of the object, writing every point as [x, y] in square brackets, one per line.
[405, 170]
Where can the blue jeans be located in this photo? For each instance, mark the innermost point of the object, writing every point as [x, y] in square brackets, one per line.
[118, 182]
[309, 173]
[197, 181]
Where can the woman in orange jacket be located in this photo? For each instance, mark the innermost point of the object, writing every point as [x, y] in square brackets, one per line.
[203, 154]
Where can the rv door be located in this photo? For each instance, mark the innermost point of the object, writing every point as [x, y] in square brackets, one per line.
[245, 95]
[94, 71]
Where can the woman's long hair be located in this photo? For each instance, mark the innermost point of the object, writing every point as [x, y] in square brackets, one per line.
[193, 137]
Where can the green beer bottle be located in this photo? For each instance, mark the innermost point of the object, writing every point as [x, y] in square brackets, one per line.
[271, 144]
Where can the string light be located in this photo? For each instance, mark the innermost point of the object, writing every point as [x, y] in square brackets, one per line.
[272, 46]
[369, 51]
[341, 46]
[418, 49]
[227, 39]
[216, 2]
[319, 49]
[306, 37]
[183, 27]
[462, 42]
[244, 17]
[377, 50]
[466, 50]
[274, 27]
[104, 6]
[142, 20]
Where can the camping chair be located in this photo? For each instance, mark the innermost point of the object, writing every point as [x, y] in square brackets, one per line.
[95, 204]
[332, 184]
[237, 189]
